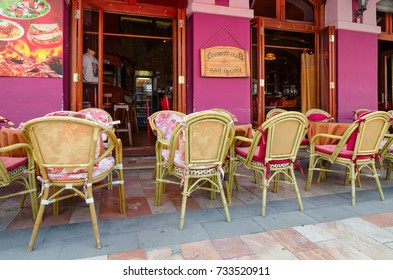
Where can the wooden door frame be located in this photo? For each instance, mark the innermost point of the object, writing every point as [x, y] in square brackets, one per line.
[280, 23]
[382, 78]
[76, 57]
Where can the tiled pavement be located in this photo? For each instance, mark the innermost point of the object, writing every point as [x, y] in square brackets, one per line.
[328, 228]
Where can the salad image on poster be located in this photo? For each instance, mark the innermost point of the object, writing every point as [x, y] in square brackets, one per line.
[22, 9]
[31, 38]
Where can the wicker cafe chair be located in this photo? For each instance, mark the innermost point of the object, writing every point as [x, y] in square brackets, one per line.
[71, 162]
[386, 153]
[197, 152]
[272, 152]
[162, 124]
[356, 149]
[315, 115]
[19, 170]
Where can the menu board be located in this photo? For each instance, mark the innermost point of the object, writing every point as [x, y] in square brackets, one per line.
[31, 38]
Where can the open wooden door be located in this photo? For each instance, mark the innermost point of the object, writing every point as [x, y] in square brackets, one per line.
[179, 64]
[76, 33]
[327, 71]
[258, 72]
[385, 94]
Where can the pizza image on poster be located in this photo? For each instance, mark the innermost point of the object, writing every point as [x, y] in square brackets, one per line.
[31, 38]
[22, 9]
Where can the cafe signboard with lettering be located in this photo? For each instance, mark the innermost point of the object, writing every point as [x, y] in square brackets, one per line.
[224, 61]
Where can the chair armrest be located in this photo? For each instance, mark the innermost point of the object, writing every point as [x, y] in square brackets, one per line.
[331, 136]
[26, 147]
[386, 146]
[15, 147]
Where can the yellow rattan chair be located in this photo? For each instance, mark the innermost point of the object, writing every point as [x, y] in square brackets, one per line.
[272, 152]
[162, 124]
[198, 148]
[356, 149]
[386, 154]
[71, 162]
[19, 170]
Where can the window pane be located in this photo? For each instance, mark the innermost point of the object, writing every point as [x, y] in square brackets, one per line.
[300, 10]
[265, 8]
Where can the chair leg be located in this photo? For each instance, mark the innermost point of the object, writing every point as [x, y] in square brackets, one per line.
[294, 184]
[231, 178]
[388, 170]
[33, 195]
[310, 173]
[352, 178]
[159, 184]
[373, 168]
[224, 202]
[93, 217]
[38, 220]
[264, 188]
[184, 202]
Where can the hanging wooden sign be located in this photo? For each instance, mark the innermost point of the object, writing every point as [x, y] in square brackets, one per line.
[221, 61]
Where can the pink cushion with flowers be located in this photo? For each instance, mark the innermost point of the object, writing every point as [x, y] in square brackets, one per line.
[69, 114]
[166, 122]
[98, 115]
[64, 174]
[179, 161]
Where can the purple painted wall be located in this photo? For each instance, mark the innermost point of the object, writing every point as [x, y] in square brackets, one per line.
[22, 99]
[26, 98]
[357, 72]
[203, 93]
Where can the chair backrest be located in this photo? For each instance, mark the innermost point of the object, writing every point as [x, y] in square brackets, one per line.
[226, 112]
[207, 137]
[274, 112]
[360, 112]
[319, 115]
[371, 128]
[66, 143]
[282, 135]
[163, 123]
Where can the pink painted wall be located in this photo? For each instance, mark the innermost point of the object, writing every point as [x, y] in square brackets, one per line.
[357, 72]
[232, 94]
[22, 99]
[26, 98]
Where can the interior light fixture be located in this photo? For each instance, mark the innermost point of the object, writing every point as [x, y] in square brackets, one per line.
[270, 56]
[362, 6]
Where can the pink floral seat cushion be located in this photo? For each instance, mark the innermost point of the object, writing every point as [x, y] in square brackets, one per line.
[98, 115]
[64, 174]
[179, 162]
[69, 114]
[166, 122]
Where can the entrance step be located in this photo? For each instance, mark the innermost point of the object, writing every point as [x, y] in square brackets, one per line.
[138, 163]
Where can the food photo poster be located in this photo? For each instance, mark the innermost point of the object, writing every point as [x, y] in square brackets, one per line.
[31, 38]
